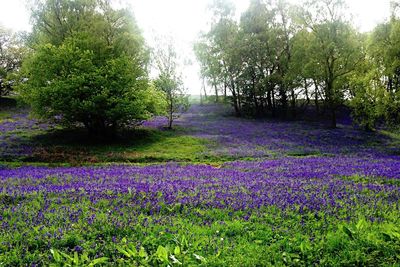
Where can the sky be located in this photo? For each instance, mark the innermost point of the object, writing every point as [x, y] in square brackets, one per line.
[184, 19]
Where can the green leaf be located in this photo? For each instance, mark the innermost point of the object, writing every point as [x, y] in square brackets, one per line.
[123, 251]
[162, 253]
[76, 258]
[200, 258]
[386, 236]
[99, 261]
[177, 250]
[142, 252]
[184, 242]
[361, 225]
[348, 231]
[132, 251]
[304, 247]
[85, 257]
[66, 256]
[175, 260]
[56, 255]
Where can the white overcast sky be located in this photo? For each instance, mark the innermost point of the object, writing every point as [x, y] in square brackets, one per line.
[184, 19]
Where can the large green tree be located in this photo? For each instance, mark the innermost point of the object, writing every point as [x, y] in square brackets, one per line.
[88, 66]
[384, 51]
[336, 49]
[218, 52]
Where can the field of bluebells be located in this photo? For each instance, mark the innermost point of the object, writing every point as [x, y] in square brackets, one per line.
[285, 194]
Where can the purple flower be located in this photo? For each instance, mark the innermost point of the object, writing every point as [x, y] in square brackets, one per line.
[78, 249]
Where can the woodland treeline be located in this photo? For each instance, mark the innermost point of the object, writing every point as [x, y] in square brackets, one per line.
[280, 59]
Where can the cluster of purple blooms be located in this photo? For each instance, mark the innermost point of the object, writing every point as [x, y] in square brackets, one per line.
[354, 176]
[243, 137]
[314, 184]
[15, 132]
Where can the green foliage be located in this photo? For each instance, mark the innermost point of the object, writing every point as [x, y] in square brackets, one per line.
[337, 49]
[282, 55]
[169, 81]
[269, 237]
[12, 52]
[63, 259]
[270, 59]
[218, 52]
[367, 95]
[94, 73]
[375, 85]
[384, 52]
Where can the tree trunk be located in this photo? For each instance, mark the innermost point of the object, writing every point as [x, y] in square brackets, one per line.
[225, 85]
[331, 102]
[170, 120]
[257, 109]
[170, 113]
[273, 103]
[201, 97]
[97, 128]
[293, 103]
[216, 93]
[316, 96]
[306, 92]
[269, 100]
[235, 100]
[282, 94]
[205, 91]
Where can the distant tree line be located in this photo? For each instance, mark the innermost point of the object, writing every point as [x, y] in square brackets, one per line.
[281, 58]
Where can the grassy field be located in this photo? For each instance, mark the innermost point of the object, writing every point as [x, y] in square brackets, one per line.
[215, 191]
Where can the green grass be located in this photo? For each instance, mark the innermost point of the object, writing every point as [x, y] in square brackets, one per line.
[371, 180]
[303, 153]
[139, 146]
[4, 115]
[163, 146]
[394, 134]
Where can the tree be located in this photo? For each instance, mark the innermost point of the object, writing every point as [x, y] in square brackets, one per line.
[251, 58]
[222, 40]
[259, 52]
[89, 66]
[266, 31]
[384, 51]
[367, 95]
[12, 52]
[209, 67]
[376, 83]
[336, 47]
[169, 81]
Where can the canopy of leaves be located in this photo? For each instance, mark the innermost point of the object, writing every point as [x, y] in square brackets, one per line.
[89, 66]
[12, 52]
